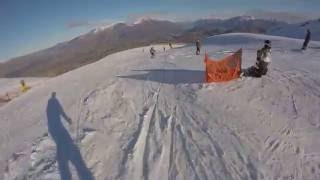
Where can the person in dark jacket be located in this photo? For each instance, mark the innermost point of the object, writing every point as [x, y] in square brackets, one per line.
[152, 52]
[306, 40]
[198, 45]
[263, 60]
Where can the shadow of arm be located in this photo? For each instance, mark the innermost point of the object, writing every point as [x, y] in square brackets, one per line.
[64, 115]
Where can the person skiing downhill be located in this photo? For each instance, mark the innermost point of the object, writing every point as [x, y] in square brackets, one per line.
[306, 40]
[263, 60]
[198, 45]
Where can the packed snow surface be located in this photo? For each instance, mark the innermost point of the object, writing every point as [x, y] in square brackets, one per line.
[138, 118]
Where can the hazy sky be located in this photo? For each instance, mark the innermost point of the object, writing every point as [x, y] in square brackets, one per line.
[29, 25]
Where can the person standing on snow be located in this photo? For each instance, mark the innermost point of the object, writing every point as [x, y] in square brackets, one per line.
[152, 52]
[198, 45]
[306, 40]
[263, 60]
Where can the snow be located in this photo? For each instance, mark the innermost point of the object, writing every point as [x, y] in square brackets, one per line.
[139, 118]
[246, 18]
[141, 20]
[102, 28]
[11, 86]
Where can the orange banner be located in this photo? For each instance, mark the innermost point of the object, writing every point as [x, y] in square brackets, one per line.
[226, 69]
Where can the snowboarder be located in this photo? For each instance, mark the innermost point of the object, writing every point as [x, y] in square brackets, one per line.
[263, 60]
[306, 40]
[24, 88]
[198, 45]
[152, 52]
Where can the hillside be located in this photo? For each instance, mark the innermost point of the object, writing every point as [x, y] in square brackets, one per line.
[298, 30]
[89, 48]
[139, 118]
[103, 41]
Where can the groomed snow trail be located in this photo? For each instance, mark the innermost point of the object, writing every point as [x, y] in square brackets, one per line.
[154, 119]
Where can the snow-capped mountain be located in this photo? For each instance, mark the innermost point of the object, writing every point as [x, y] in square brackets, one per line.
[90, 47]
[105, 40]
[102, 28]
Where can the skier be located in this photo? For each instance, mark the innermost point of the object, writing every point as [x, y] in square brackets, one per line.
[164, 49]
[170, 45]
[152, 52]
[306, 40]
[198, 47]
[263, 60]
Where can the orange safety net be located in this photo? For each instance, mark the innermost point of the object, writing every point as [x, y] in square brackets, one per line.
[226, 69]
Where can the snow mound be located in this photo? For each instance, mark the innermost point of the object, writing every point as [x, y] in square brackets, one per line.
[139, 118]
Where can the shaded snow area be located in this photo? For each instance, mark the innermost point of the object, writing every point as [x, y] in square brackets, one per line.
[136, 118]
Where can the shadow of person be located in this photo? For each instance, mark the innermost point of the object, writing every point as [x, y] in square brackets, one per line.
[169, 76]
[66, 149]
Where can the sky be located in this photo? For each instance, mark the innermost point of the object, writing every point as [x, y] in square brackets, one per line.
[31, 25]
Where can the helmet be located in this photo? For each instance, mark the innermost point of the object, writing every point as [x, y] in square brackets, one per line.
[267, 43]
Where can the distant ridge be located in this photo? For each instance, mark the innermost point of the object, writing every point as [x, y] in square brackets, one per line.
[112, 38]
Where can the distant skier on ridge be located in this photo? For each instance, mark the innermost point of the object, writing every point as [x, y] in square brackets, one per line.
[306, 40]
[198, 45]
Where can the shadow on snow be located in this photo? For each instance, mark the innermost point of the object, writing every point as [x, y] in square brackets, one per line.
[66, 149]
[169, 76]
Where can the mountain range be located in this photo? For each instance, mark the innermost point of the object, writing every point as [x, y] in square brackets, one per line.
[103, 41]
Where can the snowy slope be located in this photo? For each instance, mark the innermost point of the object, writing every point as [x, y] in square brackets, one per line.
[11, 86]
[139, 118]
[298, 30]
